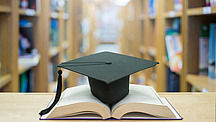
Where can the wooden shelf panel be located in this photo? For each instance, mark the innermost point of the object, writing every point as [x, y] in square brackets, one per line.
[23, 68]
[55, 15]
[5, 79]
[201, 11]
[54, 51]
[28, 12]
[5, 9]
[172, 14]
[201, 82]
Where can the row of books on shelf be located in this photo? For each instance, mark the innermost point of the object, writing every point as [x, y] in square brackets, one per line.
[178, 6]
[54, 33]
[207, 50]
[211, 3]
[26, 39]
[30, 4]
[57, 5]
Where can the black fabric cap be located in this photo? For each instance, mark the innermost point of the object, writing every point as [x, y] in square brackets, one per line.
[108, 73]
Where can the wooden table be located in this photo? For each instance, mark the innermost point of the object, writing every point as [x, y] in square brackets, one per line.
[24, 107]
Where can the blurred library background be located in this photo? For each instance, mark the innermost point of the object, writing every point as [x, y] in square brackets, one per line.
[37, 35]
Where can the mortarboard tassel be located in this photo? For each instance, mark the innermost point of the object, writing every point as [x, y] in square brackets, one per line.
[57, 97]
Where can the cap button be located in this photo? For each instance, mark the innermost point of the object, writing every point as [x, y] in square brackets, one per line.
[108, 62]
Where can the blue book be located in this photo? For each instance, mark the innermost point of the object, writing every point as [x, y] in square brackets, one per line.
[211, 61]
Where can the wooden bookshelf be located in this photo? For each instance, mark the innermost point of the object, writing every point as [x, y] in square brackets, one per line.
[9, 45]
[140, 35]
[201, 11]
[5, 9]
[10, 70]
[194, 13]
[201, 83]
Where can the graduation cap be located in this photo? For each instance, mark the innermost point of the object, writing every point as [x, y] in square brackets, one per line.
[108, 74]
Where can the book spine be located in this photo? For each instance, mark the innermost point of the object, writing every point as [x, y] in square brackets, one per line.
[212, 3]
[203, 49]
[24, 4]
[23, 82]
[215, 53]
[173, 83]
[207, 2]
[54, 33]
[211, 61]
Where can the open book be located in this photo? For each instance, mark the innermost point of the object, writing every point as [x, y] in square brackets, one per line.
[142, 102]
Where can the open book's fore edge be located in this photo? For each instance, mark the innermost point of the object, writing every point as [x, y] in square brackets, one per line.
[111, 119]
[174, 109]
[156, 94]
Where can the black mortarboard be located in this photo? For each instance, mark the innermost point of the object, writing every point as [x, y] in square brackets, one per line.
[108, 73]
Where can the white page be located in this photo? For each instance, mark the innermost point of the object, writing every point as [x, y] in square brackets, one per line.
[75, 95]
[78, 94]
[147, 93]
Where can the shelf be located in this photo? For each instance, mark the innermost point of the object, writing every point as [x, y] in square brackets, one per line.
[5, 9]
[5, 79]
[201, 11]
[30, 60]
[201, 82]
[23, 68]
[28, 12]
[107, 42]
[53, 51]
[152, 18]
[172, 14]
[65, 45]
[55, 15]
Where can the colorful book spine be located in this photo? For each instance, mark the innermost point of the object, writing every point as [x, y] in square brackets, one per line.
[152, 8]
[54, 33]
[207, 2]
[211, 61]
[203, 49]
[174, 49]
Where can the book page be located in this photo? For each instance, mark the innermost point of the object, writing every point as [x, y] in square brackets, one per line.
[140, 94]
[78, 94]
[75, 95]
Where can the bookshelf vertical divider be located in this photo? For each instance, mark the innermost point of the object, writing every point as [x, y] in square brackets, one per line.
[13, 42]
[160, 45]
[184, 28]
